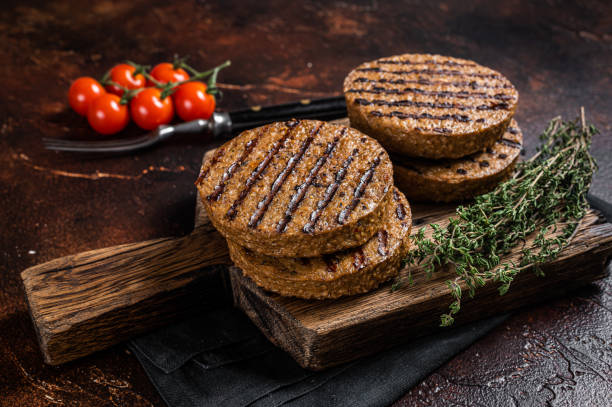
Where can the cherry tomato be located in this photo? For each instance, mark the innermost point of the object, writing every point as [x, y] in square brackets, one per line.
[123, 74]
[149, 110]
[106, 115]
[192, 102]
[82, 92]
[165, 73]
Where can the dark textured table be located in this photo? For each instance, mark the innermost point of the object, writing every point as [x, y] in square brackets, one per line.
[558, 54]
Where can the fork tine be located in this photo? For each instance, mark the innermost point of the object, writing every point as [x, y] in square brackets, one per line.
[89, 149]
[114, 145]
[106, 143]
[100, 146]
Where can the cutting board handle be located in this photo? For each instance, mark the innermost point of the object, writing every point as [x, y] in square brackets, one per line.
[102, 296]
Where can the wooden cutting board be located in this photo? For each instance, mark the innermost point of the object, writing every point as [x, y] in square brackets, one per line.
[86, 302]
[320, 334]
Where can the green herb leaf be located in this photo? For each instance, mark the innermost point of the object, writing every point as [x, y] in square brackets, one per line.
[542, 204]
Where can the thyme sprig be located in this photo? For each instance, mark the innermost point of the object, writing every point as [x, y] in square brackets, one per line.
[540, 207]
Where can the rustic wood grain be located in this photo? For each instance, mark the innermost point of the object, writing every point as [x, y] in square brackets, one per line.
[320, 334]
[89, 301]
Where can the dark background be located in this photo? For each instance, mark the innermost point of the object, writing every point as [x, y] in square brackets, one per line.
[558, 55]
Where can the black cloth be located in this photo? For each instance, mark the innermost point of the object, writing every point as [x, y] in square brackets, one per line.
[219, 358]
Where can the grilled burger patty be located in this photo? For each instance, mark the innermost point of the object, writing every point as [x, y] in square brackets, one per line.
[430, 106]
[348, 272]
[297, 188]
[463, 178]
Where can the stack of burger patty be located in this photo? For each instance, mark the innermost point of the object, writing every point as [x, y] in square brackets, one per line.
[447, 123]
[308, 208]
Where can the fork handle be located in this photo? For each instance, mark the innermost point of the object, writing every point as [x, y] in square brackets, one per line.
[193, 127]
[234, 122]
[322, 109]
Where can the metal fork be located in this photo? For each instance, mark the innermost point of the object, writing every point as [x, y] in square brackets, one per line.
[218, 125]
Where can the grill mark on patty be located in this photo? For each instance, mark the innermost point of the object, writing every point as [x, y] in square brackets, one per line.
[462, 171]
[256, 174]
[402, 115]
[433, 105]
[426, 62]
[365, 179]
[471, 84]
[301, 189]
[231, 170]
[396, 196]
[510, 143]
[400, 211]
[214, 160]
[382, 236]
[441, 93]
[447, 72]
[359, 259]
[329, 193]
[442, 130]
[264, 204]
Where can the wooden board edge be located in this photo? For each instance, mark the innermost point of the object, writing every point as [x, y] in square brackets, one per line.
[33, 313]
[285, 332]
[312, 354]
[92, 335]
[472, 310]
